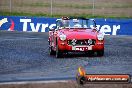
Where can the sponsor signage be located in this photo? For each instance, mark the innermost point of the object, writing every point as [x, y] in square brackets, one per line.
[121, 78]
[42, 24]
[25, 24]
[82, 77]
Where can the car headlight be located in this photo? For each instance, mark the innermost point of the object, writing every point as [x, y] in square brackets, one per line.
[62, 37]
[100, 36]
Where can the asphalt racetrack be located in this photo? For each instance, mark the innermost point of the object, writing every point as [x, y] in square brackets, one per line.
[24, 56]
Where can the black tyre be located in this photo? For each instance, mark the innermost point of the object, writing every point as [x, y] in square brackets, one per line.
[51, 52]
[100, 53]
[58, 52]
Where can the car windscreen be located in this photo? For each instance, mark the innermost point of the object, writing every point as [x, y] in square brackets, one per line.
[78, 23]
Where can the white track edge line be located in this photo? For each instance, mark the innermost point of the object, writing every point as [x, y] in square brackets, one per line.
[32, 82]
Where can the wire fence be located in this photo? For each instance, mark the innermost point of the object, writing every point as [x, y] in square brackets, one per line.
[69, 7]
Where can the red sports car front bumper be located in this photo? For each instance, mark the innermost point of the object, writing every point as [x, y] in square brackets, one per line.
[63, 46]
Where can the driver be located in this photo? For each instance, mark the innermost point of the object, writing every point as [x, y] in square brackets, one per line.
[65, 21]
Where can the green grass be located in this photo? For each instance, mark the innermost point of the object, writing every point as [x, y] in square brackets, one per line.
[59, 15]
[78, 6]
[84, 8]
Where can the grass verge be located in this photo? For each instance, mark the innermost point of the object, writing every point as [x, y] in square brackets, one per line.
[59, 15]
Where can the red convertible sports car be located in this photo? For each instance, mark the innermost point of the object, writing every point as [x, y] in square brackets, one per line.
[75, 34]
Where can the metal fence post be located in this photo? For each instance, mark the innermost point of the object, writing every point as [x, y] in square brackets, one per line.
[93, 7]
[51, 7]
[10, 6]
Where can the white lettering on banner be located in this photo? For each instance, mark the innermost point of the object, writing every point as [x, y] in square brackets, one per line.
[33, 27]
[44, 26]
[105, 28]
[25, 21]
[52, 25]
[115, 28]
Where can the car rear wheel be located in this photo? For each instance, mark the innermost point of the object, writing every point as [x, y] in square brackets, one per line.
[58, 52]
[100, 53]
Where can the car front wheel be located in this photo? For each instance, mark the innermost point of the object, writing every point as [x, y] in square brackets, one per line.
[100, 53]
[58, 52]
[51, 52]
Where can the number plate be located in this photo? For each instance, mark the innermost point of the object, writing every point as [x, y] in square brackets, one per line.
[81, 48]
[89, 47]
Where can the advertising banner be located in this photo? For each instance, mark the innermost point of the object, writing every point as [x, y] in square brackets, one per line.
[42, 24]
